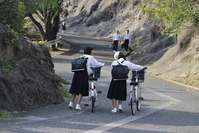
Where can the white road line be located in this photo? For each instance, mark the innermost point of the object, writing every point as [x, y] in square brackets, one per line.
[33, 118]
[137, 116]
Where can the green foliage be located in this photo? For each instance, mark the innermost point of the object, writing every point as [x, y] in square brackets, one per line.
[20, 18]
[48, 13]
[12, 14]
[173, 13]
[20, 47]
[7, 66]
[64, 90]
[4, 115]
[131, 1]
[41, 6]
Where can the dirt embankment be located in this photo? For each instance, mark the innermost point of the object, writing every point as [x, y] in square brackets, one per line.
[175, 58]
[181, 62]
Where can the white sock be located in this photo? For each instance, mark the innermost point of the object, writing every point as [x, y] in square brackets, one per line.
[120, 106]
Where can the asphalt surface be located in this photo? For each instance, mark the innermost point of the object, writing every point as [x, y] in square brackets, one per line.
[50, 112]
[166, 107]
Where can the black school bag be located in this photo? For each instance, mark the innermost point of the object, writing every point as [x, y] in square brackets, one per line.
[120, 72]
[79, 64]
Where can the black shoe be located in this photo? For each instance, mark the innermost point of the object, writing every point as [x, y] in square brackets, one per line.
[141, 98]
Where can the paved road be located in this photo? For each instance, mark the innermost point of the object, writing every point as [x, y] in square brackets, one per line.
[166, 108]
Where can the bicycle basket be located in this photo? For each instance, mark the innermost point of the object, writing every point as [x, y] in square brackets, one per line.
[96, 71]
[140, 76]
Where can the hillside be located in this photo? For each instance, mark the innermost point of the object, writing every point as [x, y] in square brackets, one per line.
[27, 77]
[174, 57]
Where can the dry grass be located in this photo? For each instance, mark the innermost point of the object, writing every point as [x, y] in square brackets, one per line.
[192, 80]
[35, 37]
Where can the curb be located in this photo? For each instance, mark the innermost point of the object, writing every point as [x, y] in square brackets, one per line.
[177, 83]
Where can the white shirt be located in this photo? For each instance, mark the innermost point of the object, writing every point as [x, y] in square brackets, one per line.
[128, 36]
[63, 23]
[92, 62]
[129, 64]
[116, 37]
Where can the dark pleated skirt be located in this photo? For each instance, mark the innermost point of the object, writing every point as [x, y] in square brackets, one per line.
[80, 83]
[117, 90]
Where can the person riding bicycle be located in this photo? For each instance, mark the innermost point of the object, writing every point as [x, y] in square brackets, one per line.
[80, 83]
[117, 89]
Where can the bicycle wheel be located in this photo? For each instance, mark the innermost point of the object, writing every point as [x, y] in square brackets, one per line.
[93, 103]
[138, 104]
[133, 108]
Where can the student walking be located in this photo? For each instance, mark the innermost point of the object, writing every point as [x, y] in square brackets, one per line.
[116, 39]
[127, 39]
[80, 83]
[63, 26]
[117, 89]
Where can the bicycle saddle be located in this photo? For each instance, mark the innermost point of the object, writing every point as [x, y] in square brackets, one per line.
[134, 83]
[92, 78]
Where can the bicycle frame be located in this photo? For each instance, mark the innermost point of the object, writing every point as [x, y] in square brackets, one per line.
[133, 95]
[92, 89]
[92, 92]
[134, 99]
[92, 98]
[134, 89]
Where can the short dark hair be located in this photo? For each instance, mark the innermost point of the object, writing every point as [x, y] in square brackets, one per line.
[88, 50]
[121, 55]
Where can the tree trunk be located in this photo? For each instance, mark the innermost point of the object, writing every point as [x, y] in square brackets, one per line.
[52, 29]
[43, 34]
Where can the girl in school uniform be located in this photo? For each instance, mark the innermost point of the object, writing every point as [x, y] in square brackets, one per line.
[117, 89]
[80, 83]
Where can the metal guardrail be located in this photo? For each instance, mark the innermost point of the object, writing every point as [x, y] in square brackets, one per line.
[54, 42]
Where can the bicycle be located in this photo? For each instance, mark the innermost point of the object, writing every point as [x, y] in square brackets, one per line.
[135, 85]
[92, 92]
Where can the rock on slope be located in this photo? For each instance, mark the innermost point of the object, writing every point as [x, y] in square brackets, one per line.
[101, 18]
[27, 79]
[181, 61]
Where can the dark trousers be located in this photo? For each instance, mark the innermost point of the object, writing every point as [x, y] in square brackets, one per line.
[115, 43]
[126, 44]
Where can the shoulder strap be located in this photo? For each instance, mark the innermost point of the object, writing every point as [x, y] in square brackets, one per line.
[120, 63]
[82, 56]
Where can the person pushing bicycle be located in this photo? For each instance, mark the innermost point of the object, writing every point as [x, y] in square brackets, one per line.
[80, 83]
[118, 89]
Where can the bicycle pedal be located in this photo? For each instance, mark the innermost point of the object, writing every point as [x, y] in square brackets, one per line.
[86, 104]
[141, 98]
[99, 91]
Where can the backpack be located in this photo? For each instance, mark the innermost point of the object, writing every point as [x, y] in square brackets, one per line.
[79, 64]
[120, 72]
